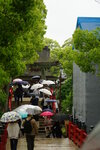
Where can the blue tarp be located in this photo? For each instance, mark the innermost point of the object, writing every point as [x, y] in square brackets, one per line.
[88, 23]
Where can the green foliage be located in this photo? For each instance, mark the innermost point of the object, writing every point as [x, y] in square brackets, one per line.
[54, 48]
[3, 98]
[22, 29]
[66, 58]
[87, 46]
[22, 26]
[66, 96]
[52, 44]
[67, 43]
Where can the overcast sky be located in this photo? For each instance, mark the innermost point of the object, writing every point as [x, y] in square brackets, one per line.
[62, 16]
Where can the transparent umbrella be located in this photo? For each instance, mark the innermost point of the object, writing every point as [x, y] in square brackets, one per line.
[29, 109]
[34, 111]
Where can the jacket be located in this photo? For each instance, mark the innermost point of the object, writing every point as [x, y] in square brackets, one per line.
[34, 126]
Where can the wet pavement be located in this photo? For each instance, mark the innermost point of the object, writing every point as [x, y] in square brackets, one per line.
[46, 144]
[42, 143]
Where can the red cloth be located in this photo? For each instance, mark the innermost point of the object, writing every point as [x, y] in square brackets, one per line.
[10, 98]
[53, 97]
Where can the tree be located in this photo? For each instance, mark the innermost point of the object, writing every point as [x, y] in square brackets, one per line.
[67, 42]
[52, 44]
[87, 47]
[22, 29]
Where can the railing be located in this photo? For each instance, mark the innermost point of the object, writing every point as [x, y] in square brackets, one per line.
[77, 135]
[3, 136]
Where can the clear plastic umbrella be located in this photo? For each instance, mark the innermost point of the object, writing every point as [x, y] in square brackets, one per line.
[10, 117]
[27, 108]
[34, 111]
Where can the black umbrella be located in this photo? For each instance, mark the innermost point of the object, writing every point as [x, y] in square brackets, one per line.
[60, 117]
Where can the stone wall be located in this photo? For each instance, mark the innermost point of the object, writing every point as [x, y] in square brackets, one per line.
[86, 97]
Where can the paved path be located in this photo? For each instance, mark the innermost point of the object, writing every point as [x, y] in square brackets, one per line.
[46, 144]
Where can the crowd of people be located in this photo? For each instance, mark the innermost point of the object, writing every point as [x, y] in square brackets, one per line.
[16, 129]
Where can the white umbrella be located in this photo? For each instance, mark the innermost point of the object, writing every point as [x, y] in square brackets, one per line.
[36, 77]
[25, 86]
[45, 91]
[27, 108]
[36, 86]
[17, 80]
[48, 82]
[10, 117]
[35, 110]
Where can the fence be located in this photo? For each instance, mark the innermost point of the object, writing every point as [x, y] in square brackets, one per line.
[77, 135]
[3, 136]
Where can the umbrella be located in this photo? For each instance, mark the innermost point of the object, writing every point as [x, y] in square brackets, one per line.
[46, 113]
[27, 108]
[34, 111]
[50, 100]
[25, 86]
[47, 109]
[36, 86]
[17, 80]
[48, 82]
[23, 114]
[10, 117]
[45, 91]
[20, 82]
[36, 77]
[59, 117]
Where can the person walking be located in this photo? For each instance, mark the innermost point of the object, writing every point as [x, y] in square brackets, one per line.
[19, 93]
[30, 130]
[13, 130]
[34, 100]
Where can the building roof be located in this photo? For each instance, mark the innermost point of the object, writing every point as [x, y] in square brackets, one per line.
[88, 23]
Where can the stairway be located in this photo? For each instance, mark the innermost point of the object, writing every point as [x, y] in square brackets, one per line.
[41, 130]
[26, 100]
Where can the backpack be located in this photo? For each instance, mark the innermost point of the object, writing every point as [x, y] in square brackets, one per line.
[27, 126]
